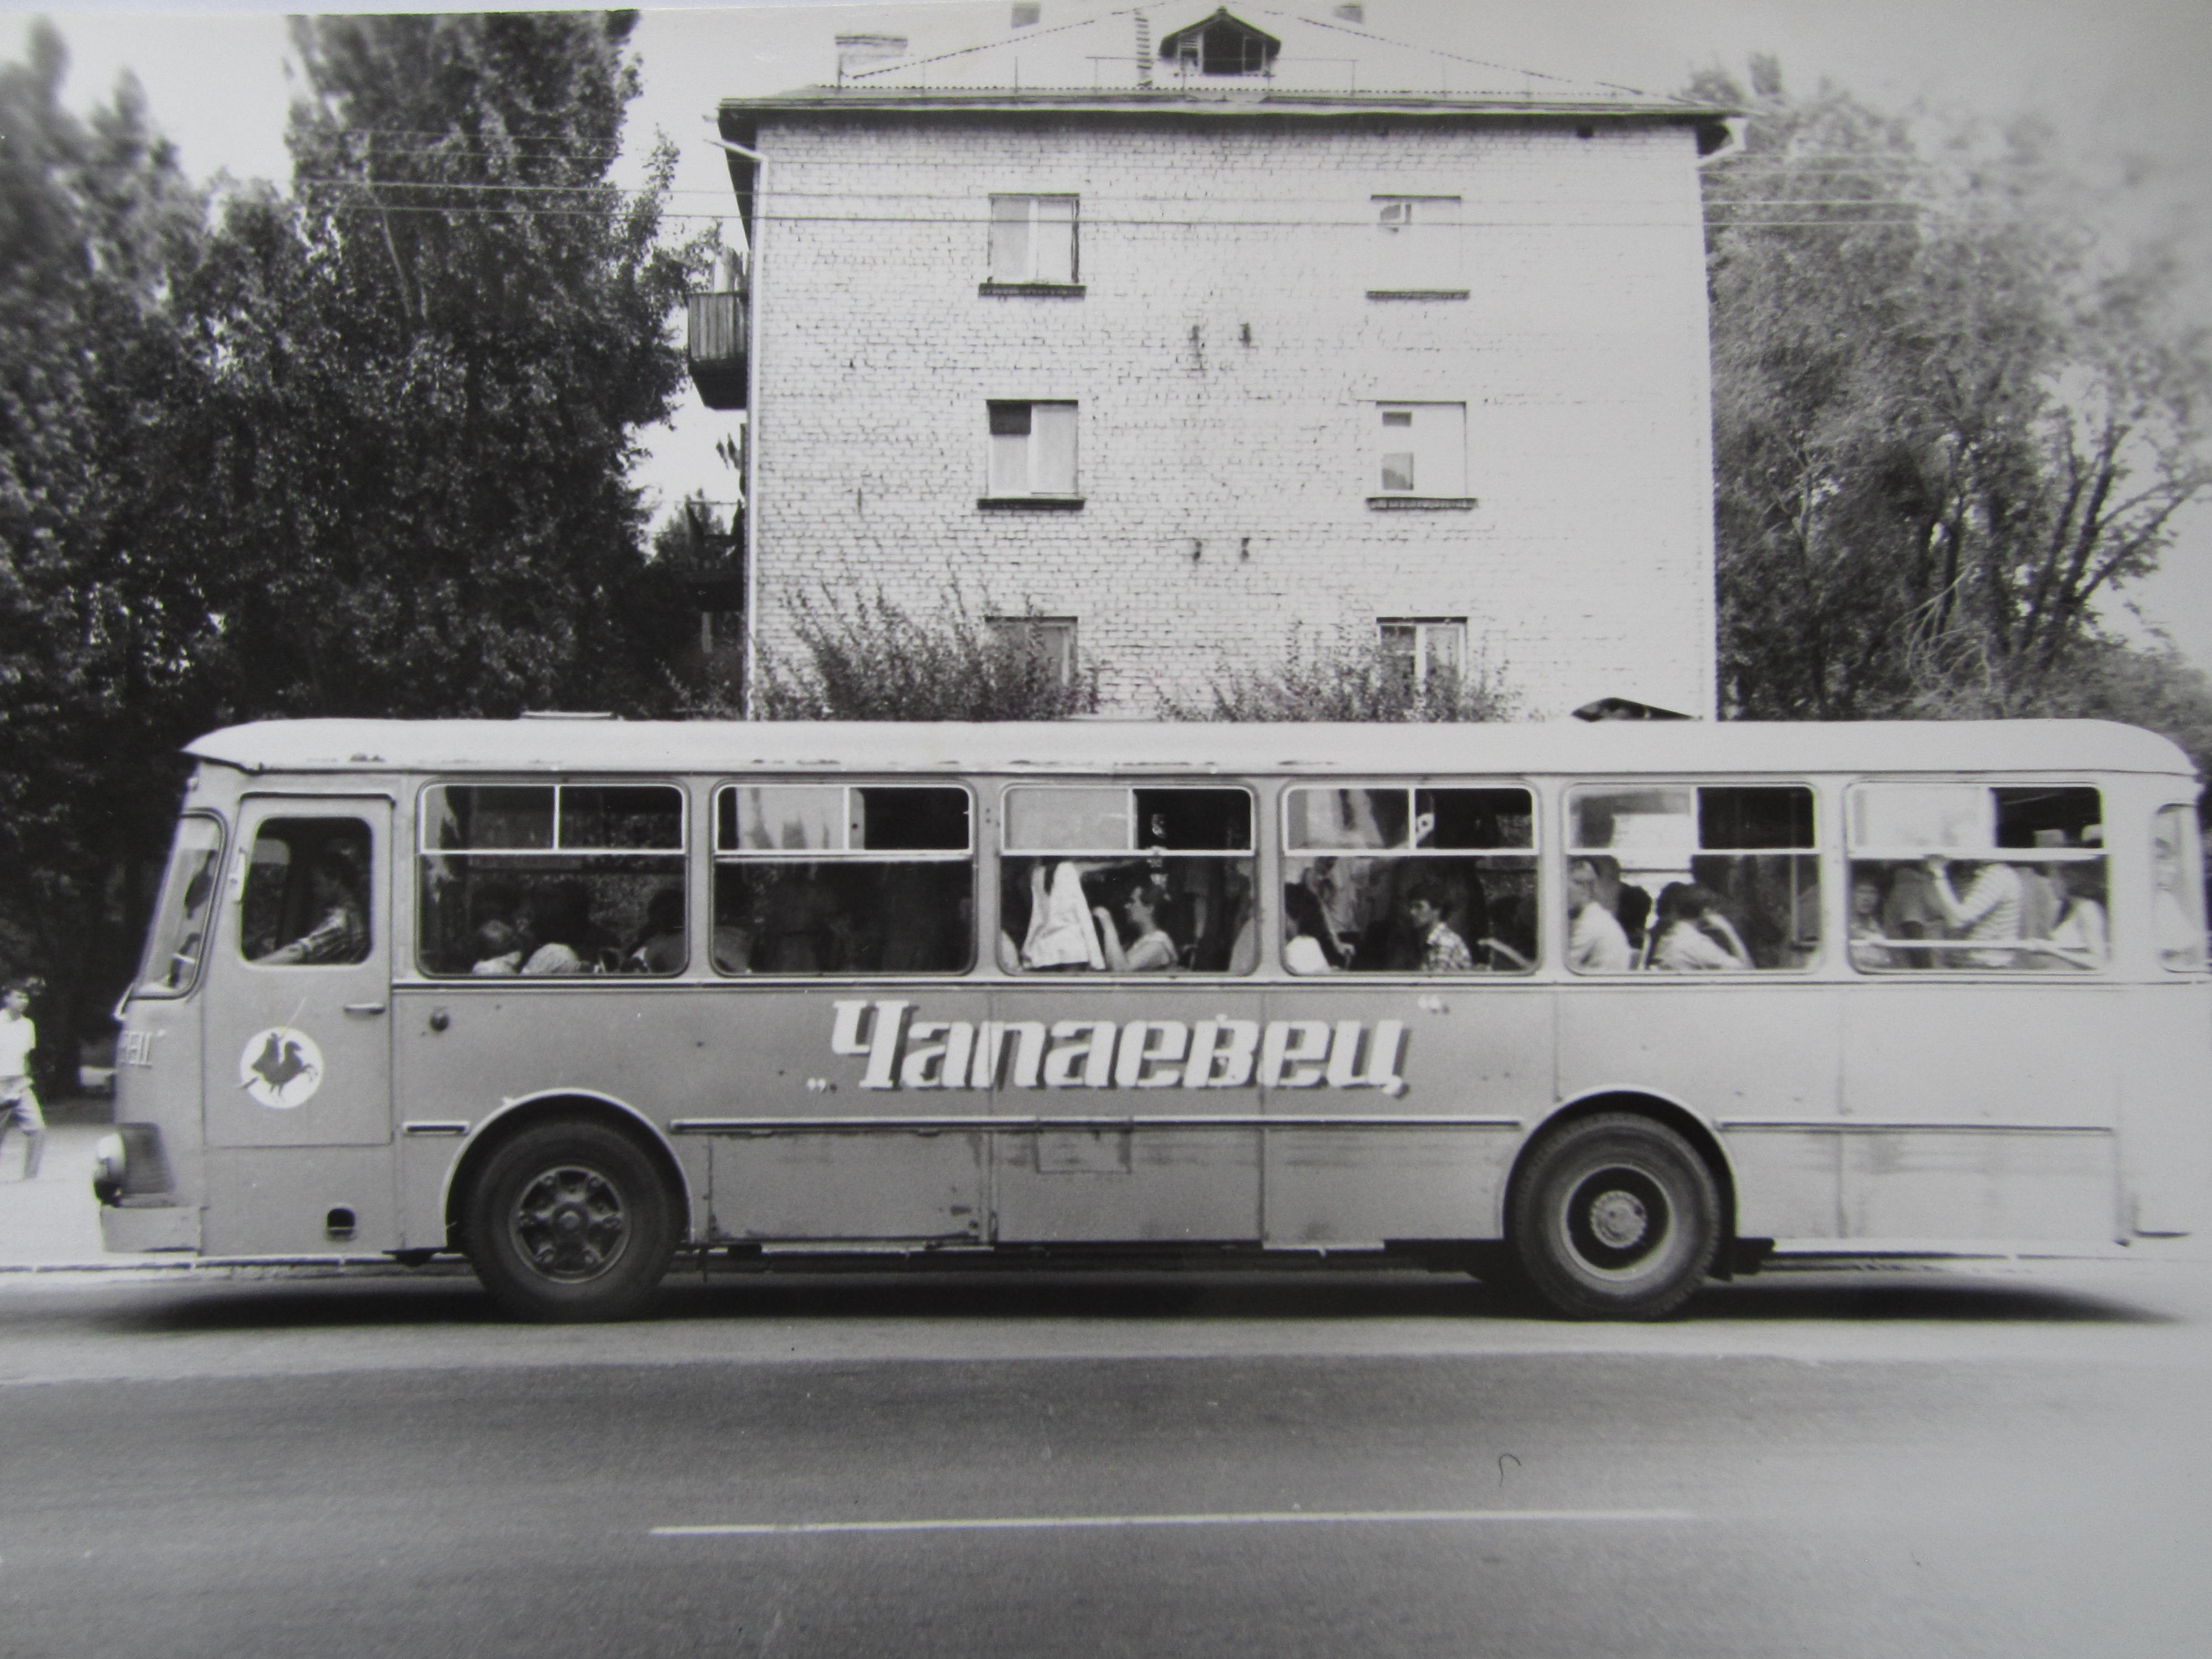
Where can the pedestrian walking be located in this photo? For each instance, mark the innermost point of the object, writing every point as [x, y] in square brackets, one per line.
[19, 1104]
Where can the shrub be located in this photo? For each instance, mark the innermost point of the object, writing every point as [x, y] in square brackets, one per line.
[1343, 677]
[870, 660]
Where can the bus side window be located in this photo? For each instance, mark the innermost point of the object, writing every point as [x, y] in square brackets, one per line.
[547, 880]
[306, 900]
[1133, 880]
[1400, 879]
[1964, 877]
[1693, 877]
[2178, 900]
[837, 879]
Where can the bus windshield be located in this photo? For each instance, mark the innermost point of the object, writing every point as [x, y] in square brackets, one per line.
[177, 941]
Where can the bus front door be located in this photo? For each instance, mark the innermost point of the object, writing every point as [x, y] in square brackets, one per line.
[296, 1087]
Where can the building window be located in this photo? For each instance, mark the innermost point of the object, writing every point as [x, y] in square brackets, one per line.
[1420, 453]
[1221, 45]
[1033, 240]
[1424, 653]
[1048, 641]
[1032, 451]
[1418, 255]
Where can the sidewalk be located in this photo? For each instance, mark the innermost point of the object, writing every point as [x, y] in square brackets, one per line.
[54, 1221]
[52, 1224]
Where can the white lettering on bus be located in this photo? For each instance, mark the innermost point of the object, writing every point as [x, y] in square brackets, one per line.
[907, 1053]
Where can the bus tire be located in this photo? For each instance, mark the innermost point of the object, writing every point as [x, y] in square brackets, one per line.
[1615, 1217]
[569, 1221]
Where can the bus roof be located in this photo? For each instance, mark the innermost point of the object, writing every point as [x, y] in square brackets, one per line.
[608, 746]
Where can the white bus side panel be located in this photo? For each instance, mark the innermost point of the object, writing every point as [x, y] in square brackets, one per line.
[1980, 1111]
[278, 1201]
[1758, 1058]
[1370, 1169]
[2165, 1106]
[1157, 1172]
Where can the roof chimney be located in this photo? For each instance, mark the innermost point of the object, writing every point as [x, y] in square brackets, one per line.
[857, 53]
[1352, 12]
[1027, 14]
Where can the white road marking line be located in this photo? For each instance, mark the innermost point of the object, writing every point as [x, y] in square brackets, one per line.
[1250, 1518]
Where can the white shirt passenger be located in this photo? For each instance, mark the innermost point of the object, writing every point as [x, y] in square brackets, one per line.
[1595, 942]
[1686, 947]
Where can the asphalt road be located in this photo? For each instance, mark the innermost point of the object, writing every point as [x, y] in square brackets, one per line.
[2012, 1463]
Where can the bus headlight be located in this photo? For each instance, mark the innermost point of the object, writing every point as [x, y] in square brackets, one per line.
[111, 1166]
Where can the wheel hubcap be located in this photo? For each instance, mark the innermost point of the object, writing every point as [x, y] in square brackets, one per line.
[1619, 1220]
[569, 1223]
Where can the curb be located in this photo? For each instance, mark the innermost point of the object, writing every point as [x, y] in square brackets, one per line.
[322, 1267]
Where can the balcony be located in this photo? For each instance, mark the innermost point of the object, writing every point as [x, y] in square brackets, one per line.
[714, 347]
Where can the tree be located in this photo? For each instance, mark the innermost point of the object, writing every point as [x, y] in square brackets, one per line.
[1946, 427]
[428, 369]
[363, 450]
[99, 625]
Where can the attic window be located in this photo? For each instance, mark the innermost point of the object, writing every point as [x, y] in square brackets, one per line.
[1221, 45]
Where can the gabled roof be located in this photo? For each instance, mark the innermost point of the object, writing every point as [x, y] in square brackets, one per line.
[1132, 57]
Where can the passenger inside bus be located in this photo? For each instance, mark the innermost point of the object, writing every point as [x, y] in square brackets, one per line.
[499, 950]
[1442, 951]
[2080, 937]
[1309, 946]
[1985, 907]
[1692, 935]
[659, 947]
[558, 922]
[323, 920]
[1151, 949]
[1981, 877]
[1633, 910]
[1596, 941]
[1870, 935]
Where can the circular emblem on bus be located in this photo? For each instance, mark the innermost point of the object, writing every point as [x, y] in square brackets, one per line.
[281, 1068]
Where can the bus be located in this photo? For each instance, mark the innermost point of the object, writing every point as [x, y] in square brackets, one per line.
[1600, 1010]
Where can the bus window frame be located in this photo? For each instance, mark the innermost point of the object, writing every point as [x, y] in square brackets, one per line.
[1824, 835]
[418, 972]
[1961, 950]
[216, 868]
[1251, 854]
[2189, 860]
[717, 858]
[1412, 787]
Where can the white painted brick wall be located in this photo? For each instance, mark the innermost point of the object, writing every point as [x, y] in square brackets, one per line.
[1581, 354]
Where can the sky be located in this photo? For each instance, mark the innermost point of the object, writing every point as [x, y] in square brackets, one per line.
[2122, 84]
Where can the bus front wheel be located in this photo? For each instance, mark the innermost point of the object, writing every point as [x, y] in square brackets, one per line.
[570, 1221]
[1615, 1217]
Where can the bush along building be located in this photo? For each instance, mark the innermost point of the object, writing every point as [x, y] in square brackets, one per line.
[1170, 333]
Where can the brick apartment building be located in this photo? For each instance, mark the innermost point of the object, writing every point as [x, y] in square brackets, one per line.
[1184, 330]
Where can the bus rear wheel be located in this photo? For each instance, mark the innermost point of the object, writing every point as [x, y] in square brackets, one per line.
[569, 1221]
[1615, 1217]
